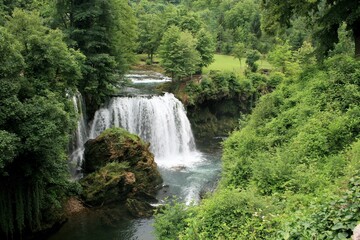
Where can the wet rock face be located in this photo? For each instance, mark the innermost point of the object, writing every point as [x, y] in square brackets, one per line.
[118, 166]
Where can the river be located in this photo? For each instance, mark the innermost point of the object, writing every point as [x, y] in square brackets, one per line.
[188, 169]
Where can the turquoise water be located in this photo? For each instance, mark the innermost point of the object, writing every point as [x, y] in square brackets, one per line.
[113, 223]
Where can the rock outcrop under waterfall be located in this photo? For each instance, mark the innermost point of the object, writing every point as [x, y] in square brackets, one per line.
[119, 166]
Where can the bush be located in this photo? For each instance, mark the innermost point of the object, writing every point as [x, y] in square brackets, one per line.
[294, 155]
[230, 214]
[170, 220]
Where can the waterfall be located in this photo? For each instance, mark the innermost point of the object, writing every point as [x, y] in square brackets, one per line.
[79, 138]
[160, 120]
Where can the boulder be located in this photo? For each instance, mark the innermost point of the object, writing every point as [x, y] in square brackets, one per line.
[119, 166]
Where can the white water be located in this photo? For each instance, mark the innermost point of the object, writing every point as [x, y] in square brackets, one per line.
[160, 120]
[147, 77]
[184, 170]
[80, 137]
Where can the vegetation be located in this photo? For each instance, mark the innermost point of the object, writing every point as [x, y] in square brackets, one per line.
[291, 169]
[178, 53]
[291, 166]
[118, 166]
[105, 32]
[41, 67]
[37, 70]
[294, 161]
[215, 104]
[327, 16]
[226, 63]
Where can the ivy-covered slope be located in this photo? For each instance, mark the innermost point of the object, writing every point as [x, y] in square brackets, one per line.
[292, 171]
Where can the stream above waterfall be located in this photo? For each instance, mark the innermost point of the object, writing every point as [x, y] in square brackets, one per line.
[188, 170]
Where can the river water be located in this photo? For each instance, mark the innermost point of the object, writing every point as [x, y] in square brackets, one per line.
[188, 170]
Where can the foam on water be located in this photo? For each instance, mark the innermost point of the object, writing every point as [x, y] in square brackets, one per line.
[147, 77]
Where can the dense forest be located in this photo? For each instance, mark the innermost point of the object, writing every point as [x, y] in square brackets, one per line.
[290, 169]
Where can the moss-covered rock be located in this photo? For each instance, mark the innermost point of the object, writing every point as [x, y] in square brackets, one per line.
[118, 165]
[115, 145]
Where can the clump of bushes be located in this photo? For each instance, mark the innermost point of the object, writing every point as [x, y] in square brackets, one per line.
[296, 157]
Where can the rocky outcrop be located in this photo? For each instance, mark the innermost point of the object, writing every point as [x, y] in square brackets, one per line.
[118, 166]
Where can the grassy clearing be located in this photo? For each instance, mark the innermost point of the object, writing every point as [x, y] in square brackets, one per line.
[229, 63]
[221, 63]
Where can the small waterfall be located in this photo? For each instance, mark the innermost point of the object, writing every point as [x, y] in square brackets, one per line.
[80, 137]
[160, 120]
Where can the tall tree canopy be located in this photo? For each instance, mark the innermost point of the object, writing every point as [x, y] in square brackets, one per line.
[37, 71]
[105, 32]
[178, 52]
[328, 15]
[151, 29]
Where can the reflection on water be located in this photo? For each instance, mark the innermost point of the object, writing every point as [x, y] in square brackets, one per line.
[106, 223]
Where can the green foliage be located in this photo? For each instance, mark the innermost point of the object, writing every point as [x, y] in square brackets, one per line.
[11, 58]
[178, 53]
[36, 118]
[281, 56]
[239, 51]
[170, 220]
[326, 16]
[251, 57]
[246, 216]
[243, 20]
[206, 48]
[9, 144]
[150, 33]
[296, 154]
[334, 218]
[50, 64]
[105, 32]
[220, 86]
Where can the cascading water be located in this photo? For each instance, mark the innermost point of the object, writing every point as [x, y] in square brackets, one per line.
[160, 120]
[80, 137]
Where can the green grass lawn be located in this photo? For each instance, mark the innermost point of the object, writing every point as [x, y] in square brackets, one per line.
[221, 63]
[229, 63]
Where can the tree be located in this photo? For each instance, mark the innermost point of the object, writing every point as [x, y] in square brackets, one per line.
[243, 20]
[251, 57]
[287, 61]
[206, 48]
[281, 56]
[151, 29]
[105, 32]
[328, 15]
[189, 22]
[178, 53]
[37, 71]
[239, 51]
